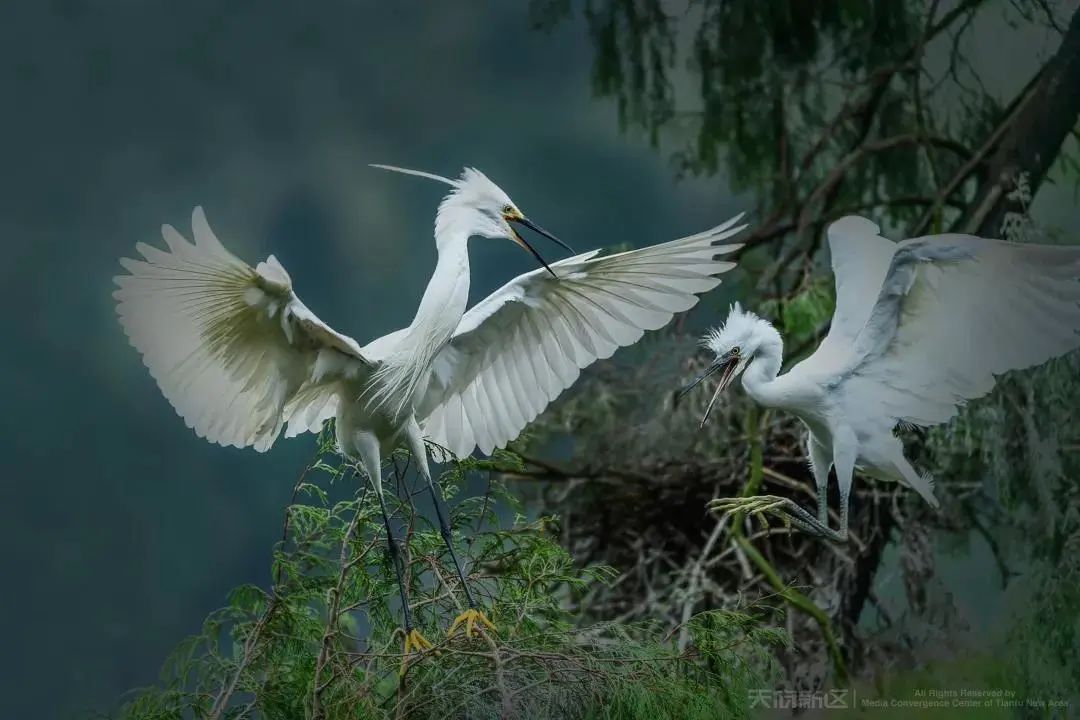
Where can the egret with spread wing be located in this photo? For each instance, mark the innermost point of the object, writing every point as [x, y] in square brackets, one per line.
[921, 327]
[239, 356]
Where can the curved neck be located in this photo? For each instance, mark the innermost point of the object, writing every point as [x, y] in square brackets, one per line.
[440, 311]
[455, 222]
[758, 378]
[447, 293]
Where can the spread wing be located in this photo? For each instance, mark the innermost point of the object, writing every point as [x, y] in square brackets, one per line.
[515, 351]
[231, 347]
[953, 312]
[860, 259]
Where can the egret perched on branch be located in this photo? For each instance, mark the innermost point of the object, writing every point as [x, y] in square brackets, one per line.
[920, 327]
[239, 356]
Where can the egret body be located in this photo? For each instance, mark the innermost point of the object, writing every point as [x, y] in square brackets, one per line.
[240, 357]
[920, 327]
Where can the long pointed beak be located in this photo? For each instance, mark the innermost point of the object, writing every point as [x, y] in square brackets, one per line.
[717, 364]
[728, 364]
[525, 244]
[537, 229]
[725, 380]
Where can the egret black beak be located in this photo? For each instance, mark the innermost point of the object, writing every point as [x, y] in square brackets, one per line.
[726, 364]
[537, 229]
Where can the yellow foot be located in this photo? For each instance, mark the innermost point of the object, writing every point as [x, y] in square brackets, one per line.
[787, 510]
[414, 643]
[756, 506]
[470, 619]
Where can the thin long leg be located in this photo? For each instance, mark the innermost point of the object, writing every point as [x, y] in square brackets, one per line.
[473, 617]
[367, 446]
[416, 447]
[801, 517]
[821, 460]
[820, 463]
[399, 564]
[845, 445]
[444, 530]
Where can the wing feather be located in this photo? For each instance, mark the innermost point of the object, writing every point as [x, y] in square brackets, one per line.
[956, 311]
[231, 347]
[515, 362]
[860, 259]
[528, 341]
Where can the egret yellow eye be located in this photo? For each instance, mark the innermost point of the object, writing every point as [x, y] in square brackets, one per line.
[509, 210]
[735, 350]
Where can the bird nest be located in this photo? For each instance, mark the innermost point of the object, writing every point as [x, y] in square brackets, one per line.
[633, 494]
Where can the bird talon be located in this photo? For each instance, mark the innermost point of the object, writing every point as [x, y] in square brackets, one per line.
[758, 506]
[414, 643]
[472, 620]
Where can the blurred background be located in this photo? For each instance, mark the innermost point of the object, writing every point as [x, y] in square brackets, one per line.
[607, 122]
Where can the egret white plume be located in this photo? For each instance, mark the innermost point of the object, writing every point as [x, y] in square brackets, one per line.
[417, 173]
[741, 329]
[920, 328]
[239, 356]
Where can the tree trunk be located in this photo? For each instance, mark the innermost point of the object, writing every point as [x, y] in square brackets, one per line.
[1033, 141]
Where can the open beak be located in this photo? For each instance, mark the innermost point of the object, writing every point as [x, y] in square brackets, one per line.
[726, 365]
[521, 219]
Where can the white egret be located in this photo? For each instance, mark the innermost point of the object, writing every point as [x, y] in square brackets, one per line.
[920, 327]
[239, 356]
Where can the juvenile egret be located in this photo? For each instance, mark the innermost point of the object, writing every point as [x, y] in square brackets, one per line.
[239, 356]
[920, 327]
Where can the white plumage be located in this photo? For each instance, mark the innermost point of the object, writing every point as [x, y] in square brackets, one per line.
[228, 345]
[238, 355]
[921, 327]
[513, 353]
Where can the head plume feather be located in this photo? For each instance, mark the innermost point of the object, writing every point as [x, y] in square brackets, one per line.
[740, 326]
[473, 185]
[417, 173]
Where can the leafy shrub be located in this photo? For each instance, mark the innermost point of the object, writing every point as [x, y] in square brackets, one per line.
[326, 640]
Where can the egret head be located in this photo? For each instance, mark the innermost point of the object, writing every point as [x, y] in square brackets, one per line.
[733, 346]
[477, 206]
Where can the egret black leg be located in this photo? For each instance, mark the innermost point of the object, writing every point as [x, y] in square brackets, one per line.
[448, 538]
[367, 446]
[399, 564]
[415, 440]
[473, 617]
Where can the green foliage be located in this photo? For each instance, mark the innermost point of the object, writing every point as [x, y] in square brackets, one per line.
[1034, 664]
[1042, 653]
[802, 314]
[716, 686]
[1013, 455]
[823, 109]
[326, 641]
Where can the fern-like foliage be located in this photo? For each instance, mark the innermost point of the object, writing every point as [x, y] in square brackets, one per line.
[325, 640]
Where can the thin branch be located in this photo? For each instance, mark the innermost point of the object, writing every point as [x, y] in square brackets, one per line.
[979, 156]
[332, 615]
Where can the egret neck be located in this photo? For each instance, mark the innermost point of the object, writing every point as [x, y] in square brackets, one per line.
[447, 294]
[759, 379]
[440, 311]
